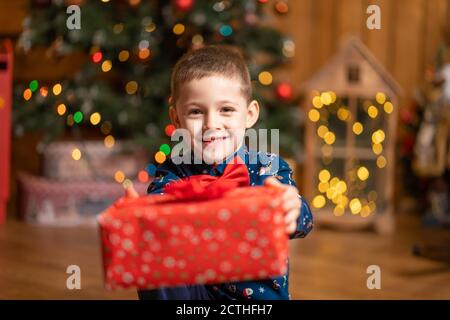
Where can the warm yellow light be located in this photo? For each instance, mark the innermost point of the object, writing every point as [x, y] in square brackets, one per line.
[265, 78]
[160, 157]
[151, 27]
[325, 98]
[61, 109]
[324, 175]
[76, 154]
[322, 130]
[323, 187]
[333, 182]
[314, 115]
[365, 211]
[123, 55]
[377, 148]
[355, 206]
[343, 114]
[341, 187]
[378, 136]
[317, 102]
[380, 97]
[344, 201]
[333, 96]
[381, 162]
[119, 176]
[338, 210]
[95, 118]
[363, 173]
[178, 29]
[57, 88]
[131, 87]
[358, 128]
[106, 65]
[372, 111]
[319, 201]
[329, 137]
[388, 107]
[109, 141]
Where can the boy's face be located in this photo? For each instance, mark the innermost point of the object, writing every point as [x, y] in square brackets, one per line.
[215, 112]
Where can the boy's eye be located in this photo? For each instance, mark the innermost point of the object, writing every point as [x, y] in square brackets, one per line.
[194, 111]
[227, 109]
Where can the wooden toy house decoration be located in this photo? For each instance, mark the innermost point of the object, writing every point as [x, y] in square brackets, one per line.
[352, 105]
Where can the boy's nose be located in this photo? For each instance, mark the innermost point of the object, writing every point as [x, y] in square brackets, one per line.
[211, 122]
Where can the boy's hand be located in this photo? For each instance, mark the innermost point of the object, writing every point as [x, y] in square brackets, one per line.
[292, 203]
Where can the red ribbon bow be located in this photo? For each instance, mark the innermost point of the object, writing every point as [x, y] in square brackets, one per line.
[209, 187]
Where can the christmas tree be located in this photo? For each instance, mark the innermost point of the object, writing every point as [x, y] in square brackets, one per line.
[131, 47]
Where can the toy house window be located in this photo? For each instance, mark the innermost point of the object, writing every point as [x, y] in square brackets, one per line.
[353, 74]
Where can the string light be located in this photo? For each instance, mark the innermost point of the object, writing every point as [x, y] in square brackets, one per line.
[381, 162]
[124, 55]
[150, 27]
[127, 183]
[378, 136]
[377, 148]
[314, 115]
[225, 30]
[70, 120]
[61, 109]
[324, 175]
[380, 97]
[363, 173]
[165, 148]
[76, 154]
[43, 91]
[95, 118]
[265, 78]
[322, 130]
[34, 85]
[319, 201]
[119, 176]
[118, 28]
[144, 53]
[131, 87]
[329, 137]
[357, 128]
[57, 88]
[343, 114]
[106, 127]
[106, 65]
[317, 102]
[27, 94]
[97, 57]
[169, 129]
[160, 157]
[372, 111]
[326, 99]
[355, 206]
[109, 141]
[78, 117]
[388, 107]
[197, 39]
[339, 210]
[143, 176]
[178, 29]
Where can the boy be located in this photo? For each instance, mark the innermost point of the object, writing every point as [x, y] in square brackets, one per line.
[211, 99]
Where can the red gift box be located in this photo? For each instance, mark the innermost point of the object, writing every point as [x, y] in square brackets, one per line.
[202, 230]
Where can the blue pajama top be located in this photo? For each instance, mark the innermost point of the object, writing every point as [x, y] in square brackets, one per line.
[260, 166]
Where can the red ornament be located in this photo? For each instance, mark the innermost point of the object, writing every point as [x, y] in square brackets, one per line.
[170, 128]
[183, 5]
[284, 91]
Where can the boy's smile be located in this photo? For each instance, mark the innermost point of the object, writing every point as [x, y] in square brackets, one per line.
[215, 112]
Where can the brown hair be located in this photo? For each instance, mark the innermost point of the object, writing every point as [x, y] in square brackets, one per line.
[211, 60]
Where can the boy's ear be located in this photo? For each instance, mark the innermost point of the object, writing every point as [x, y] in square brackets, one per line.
[252, 113]
[174, 116]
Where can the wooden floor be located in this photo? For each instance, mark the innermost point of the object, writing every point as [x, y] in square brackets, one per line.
[327, 264]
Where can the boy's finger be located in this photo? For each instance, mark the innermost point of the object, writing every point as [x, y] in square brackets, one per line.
[291, 204]
[291, 216]
[130, 192]
[272, 181]
[290, 229]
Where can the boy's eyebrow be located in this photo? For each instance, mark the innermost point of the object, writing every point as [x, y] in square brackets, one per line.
[227, 101]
